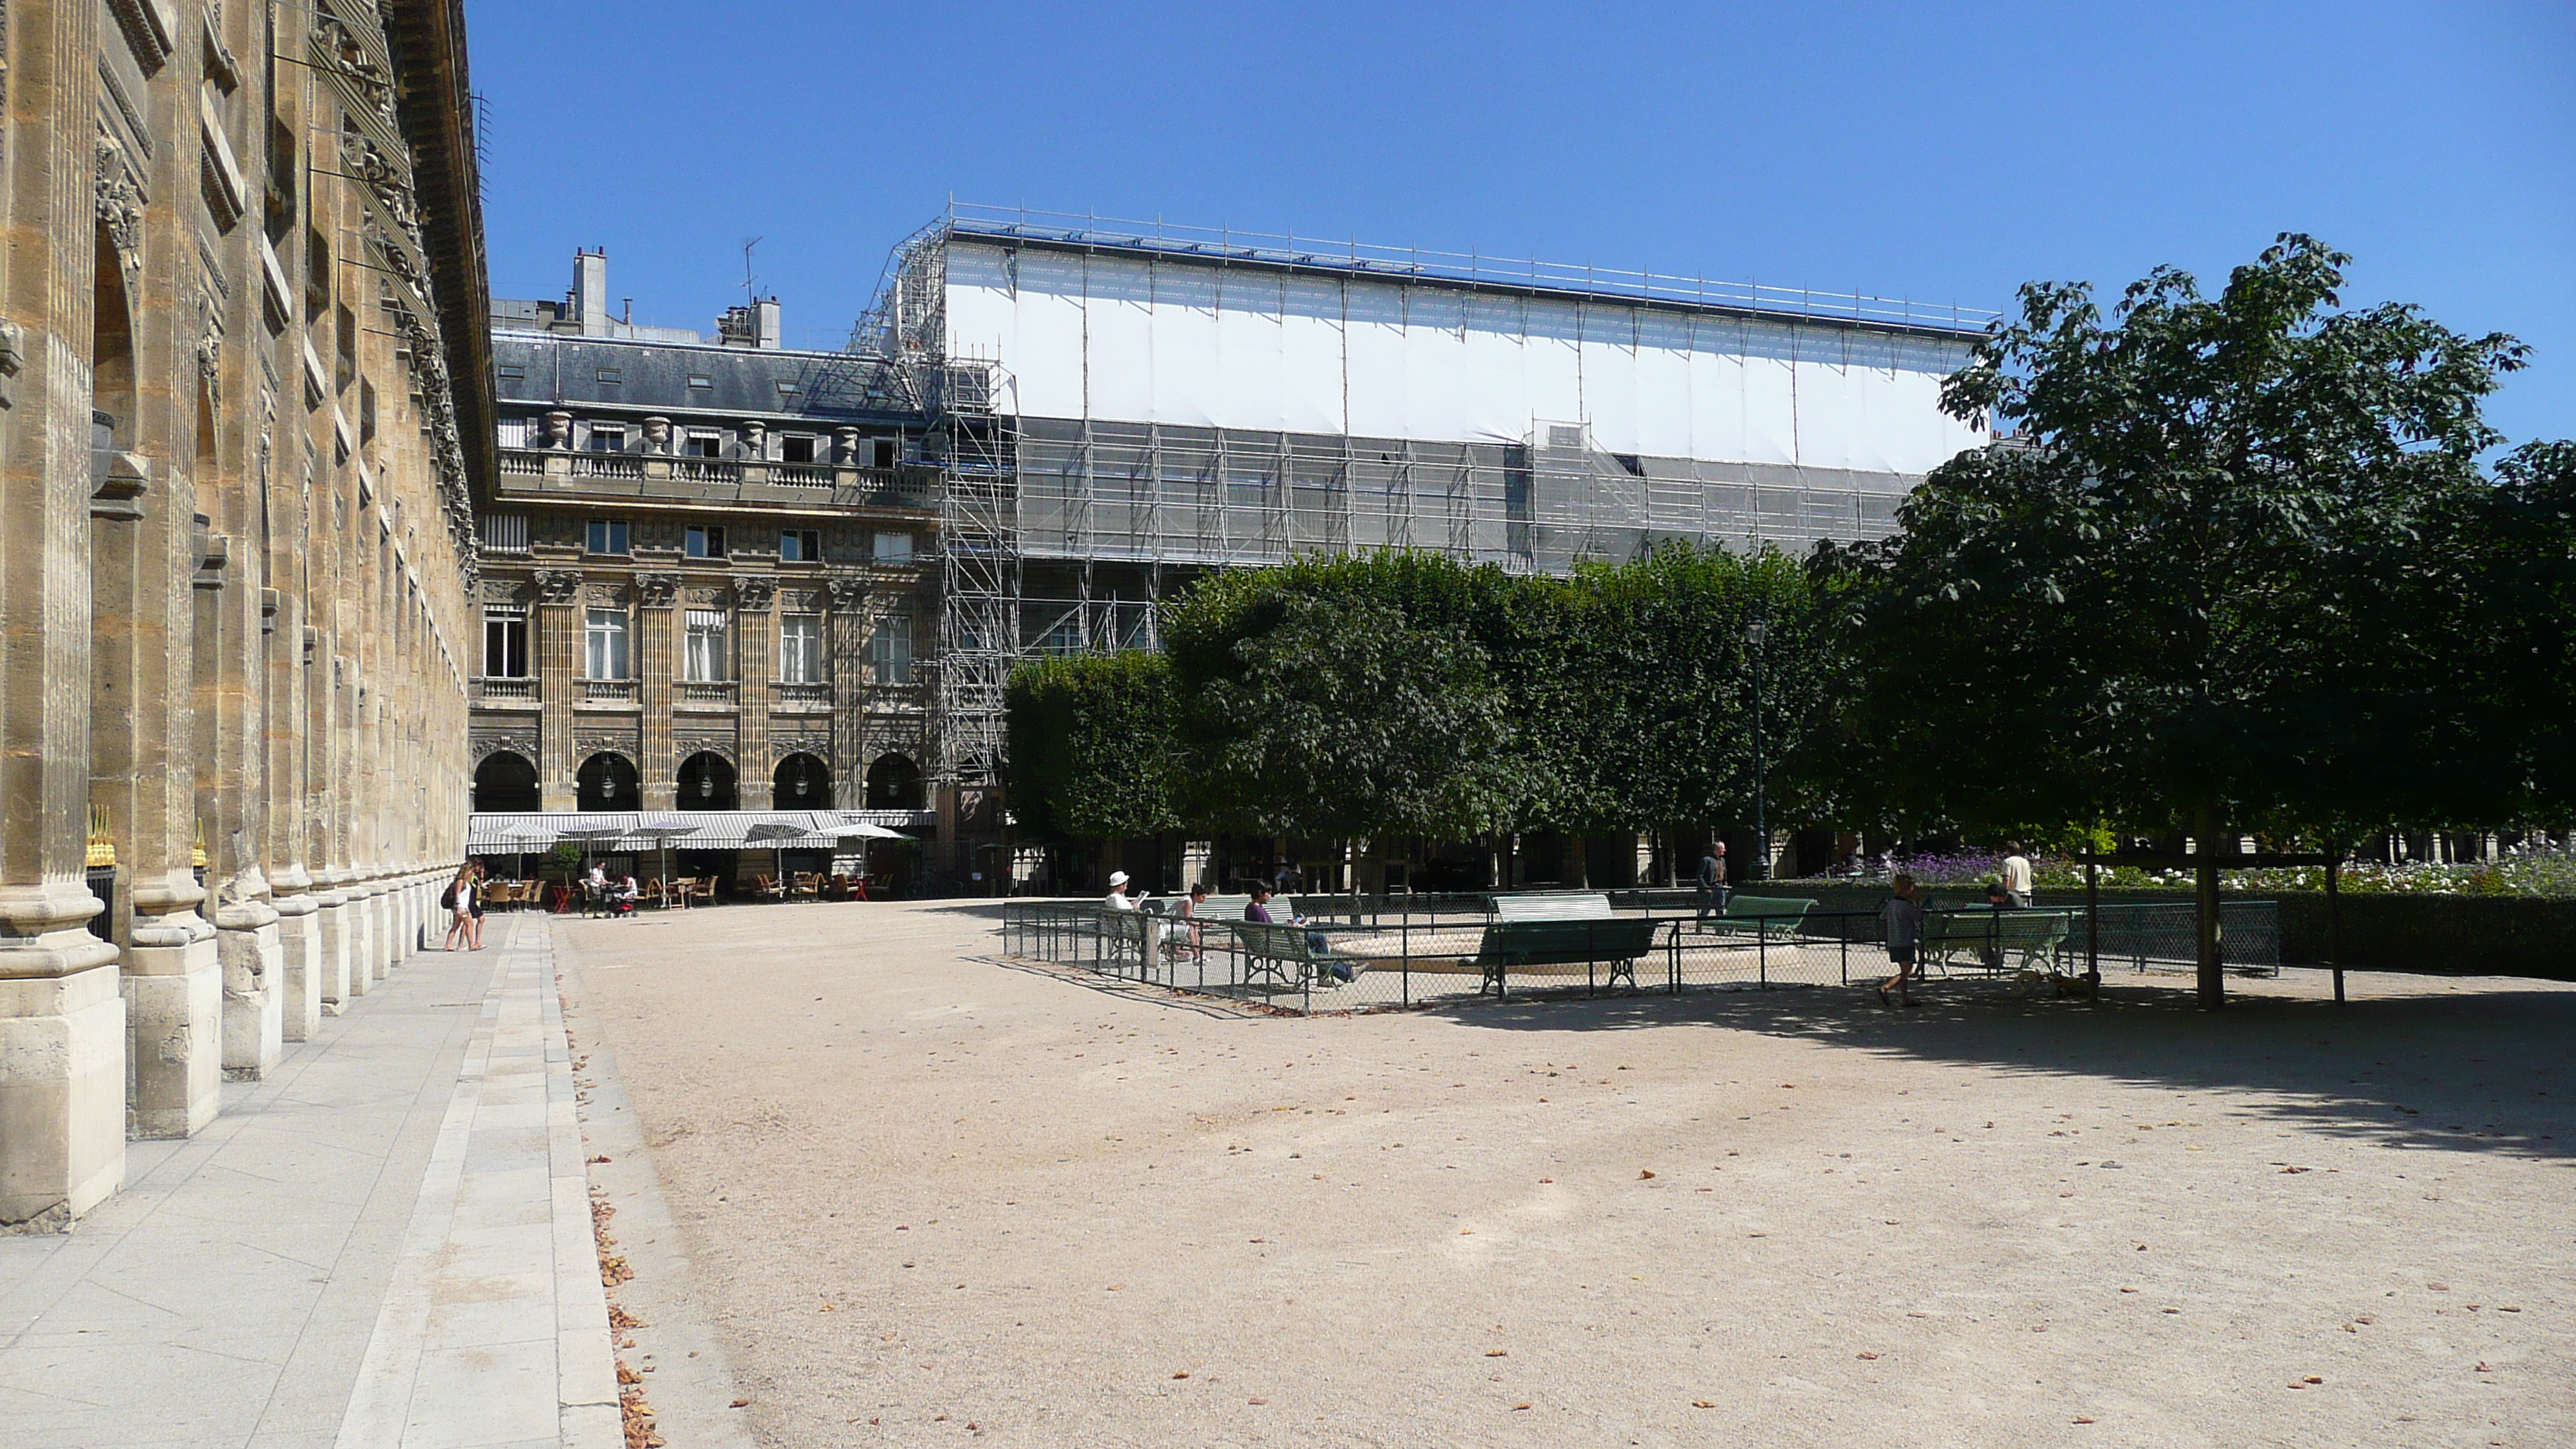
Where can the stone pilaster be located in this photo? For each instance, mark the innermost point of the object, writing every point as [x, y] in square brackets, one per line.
[755, 649]
[846, 649]
[331, 933]
[254, 964]
[557, 629]
[657, 668]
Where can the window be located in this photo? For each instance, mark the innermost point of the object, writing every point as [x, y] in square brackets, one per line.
[513, 372]
[505, 642]
[800, 545]
[705, 542]
[893, 548]
[787, 387]
[709, 656]
[886, 451]
[700, 379]
[800, 648]
[607, 440]
[706, 445]
[795, 448]
[890, 650]
[606, 535]
[604, 644]
[505, 532]
[514, 432]
[612, 374]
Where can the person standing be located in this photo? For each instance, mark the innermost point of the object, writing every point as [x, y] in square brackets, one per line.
[2017, 875]
[1903, 918]
[474, 909]
[459, 899]
[1712, 880]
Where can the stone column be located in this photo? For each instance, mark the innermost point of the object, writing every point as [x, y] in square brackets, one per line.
[558, 644]
[62, 1021]
[755, 647]
[657, 666]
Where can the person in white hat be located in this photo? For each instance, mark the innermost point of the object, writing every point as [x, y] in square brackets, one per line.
[1118, 899]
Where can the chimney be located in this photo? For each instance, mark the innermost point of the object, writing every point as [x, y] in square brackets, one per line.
[590, 291]
[765, 328]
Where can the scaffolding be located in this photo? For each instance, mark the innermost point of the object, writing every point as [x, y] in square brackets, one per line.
[1084, 483]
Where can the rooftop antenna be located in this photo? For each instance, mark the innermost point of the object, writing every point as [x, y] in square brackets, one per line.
[749, 282]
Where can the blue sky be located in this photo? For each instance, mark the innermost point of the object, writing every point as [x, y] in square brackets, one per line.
[1943, 152]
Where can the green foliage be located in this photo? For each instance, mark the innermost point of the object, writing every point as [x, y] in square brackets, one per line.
[1094, 745]
[2196, 589]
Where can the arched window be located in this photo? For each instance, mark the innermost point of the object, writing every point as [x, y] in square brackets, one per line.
[506, 781]
[894, 783]
[802, 783]
[606, 782]
[706, 783]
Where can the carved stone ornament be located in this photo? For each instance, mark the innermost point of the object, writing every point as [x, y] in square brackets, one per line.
[720, 746]
[819, 746]
[119, 203]
[585, 746]
[606, 593]
[524, 746]
[657, 590]
[210, 344]
[558, 586]
[504, 591]
[753, 593]
[703, 594]
[848, 595]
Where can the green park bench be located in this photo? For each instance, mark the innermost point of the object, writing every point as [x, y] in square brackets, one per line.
[2030, 945]
[1550, 906]
[1611, 942]
[1288, 958]
[1758, 918]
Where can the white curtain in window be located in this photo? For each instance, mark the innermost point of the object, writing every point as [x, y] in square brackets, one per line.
[604, 638]
[710, 647]
[890, 651]
[800, 648]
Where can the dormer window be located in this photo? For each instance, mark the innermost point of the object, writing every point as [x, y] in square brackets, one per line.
[607, 440]
[793, 448]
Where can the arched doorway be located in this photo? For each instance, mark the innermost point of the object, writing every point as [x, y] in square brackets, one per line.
[606, 782]
[706, 783]
[506, 781]
[894, 783]
[801, 783]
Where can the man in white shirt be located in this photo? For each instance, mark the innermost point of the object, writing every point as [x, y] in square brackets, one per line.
[1118, 899]
[2016, 870]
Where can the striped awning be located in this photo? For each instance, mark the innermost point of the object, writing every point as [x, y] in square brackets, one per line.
[490, 833]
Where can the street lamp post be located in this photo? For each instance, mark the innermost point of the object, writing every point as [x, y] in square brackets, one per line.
[1761, 866]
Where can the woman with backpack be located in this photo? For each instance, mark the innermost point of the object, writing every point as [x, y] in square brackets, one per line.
[459, 901]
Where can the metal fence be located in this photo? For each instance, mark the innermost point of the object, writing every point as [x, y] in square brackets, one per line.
[1373, 954]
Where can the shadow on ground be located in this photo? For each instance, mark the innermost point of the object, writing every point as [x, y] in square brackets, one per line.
[2458, 1069]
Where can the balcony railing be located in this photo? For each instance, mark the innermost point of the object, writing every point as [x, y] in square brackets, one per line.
[802, 696]
[706, 691]
[910, 486]
[496, 687]
[608, 691]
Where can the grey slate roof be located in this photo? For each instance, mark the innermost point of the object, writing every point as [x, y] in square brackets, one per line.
[559, 369]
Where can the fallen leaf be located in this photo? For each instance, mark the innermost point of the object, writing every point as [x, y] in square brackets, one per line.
[2082, 1420]
[2482, 1367]
[2128, 1290]
[1516, 1408]
[2171, 1310]
[1257, 1401]
[1869, 1355]
[2313, 1379]
[746, 1403]
[1643, 1175]
[1498, 1353]
[1702, 1404]
[1180, 1373]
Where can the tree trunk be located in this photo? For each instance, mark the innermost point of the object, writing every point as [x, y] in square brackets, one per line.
[2213, 981]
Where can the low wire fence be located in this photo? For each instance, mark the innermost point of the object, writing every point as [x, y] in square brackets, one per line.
[1356, 954]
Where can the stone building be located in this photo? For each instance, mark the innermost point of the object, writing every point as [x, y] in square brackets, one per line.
[704, 578]
[244, 411]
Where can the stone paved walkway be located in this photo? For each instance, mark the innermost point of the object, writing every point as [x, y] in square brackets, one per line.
[384, 1243]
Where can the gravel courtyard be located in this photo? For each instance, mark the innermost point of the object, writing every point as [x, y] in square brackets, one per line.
[935, 1199]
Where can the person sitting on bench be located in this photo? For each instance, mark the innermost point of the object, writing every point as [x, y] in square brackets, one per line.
[1258, 909]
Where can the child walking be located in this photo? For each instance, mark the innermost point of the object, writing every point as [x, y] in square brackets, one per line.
[1903, 917]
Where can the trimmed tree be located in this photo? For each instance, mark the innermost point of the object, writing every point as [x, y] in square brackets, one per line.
[2151, 606]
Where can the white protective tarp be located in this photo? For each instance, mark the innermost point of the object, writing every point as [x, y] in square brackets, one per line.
[1124, 337]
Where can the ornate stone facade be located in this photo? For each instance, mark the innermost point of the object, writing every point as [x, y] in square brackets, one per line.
[718, 566]
[217, 638]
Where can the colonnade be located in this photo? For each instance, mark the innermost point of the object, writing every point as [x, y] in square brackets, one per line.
[236, 502]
